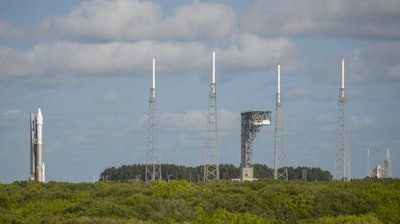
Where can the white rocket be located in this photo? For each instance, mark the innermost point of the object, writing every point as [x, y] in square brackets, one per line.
[37, 165]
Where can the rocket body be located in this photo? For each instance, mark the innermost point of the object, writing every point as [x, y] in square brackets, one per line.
[37, 165]
[39, 123]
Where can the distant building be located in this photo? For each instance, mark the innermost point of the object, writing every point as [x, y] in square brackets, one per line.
[385, 171]
[377, 172]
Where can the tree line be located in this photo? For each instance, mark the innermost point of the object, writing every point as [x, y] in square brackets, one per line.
[195, 174]
[371, 201]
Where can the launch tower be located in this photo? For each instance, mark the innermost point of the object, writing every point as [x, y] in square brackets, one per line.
[342, 154]
[368, 164]
[211, 164]
[153, 165]
[251, 123]
[280, 166]
[388, 165]
[37, 165]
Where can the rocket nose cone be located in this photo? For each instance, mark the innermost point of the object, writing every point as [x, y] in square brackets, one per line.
[39, 117]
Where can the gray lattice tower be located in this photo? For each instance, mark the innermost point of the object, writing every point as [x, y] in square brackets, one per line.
[304, 175]
[388, 165]
[342, 155]
[280, 166]
[251, 123]
[153, 165]
[368, 165]
[211, 164]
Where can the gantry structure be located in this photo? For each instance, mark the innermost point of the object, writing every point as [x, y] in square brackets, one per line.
[153, 165]
[342, 154]
[388, 165]
[211, 163]
[280, 163]
[251, 123]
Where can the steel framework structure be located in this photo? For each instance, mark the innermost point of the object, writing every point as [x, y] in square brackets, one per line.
[342, 155]
[388, 165]
[251, 123]
[211, 163]
[153, 165]
[280, 166]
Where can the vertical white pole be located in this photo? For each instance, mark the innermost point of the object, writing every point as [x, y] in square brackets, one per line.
[342, 72]
[279, 78]
[213, 67]
[154, 73]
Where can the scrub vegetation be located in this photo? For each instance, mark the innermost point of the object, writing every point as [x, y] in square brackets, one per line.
[195, 174]
[178, 201]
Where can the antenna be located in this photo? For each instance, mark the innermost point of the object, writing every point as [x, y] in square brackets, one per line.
[211, 163]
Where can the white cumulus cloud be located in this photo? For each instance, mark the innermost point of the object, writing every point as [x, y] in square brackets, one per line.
[356, 18]
[63, 60]
[375, 63]
[196, 120]
[105, 20]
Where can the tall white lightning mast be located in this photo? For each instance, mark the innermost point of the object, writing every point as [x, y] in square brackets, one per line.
[211, 163]
[153, 165]
[368, 164]
[280, 166]
[342, 154]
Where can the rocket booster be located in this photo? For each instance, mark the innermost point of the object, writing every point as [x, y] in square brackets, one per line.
[39, 123]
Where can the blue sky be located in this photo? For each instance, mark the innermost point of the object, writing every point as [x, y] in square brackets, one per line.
[87, 64]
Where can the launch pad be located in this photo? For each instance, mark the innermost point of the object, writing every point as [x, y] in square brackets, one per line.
[251, 122]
